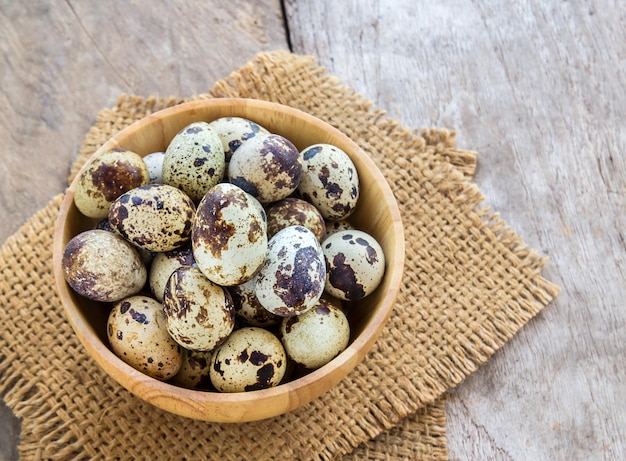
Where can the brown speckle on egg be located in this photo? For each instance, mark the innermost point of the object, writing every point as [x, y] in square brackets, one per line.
[249, 309]
[156, 217]
[355, 264]
[200, 314]
[316, 337]
[295, 212]
[105, 177]
[268, 167]
[251, 359]
[194, 160]
[291, 280]
[234, 131]
[102, 266]
[329, 181]
[229, 235]
[137, 334]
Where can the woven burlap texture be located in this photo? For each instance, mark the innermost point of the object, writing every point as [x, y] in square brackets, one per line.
[470, 283]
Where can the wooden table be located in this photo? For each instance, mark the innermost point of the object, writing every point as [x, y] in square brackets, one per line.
[537, 87]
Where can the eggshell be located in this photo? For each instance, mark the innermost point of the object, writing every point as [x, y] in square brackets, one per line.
[336, 226]
[157, 217]
[249, 309]
[252, 358]
[234, 131]
[194, 160]
[137, 334]
[194, 371]
[291, 280]
[355, 264]
[102, 266]
[154, 162]
[295, 212]
[107, 176]
[316, 337]
[163, 265]
[200, 314]
[146, 255]
[329, 181]
[268, 167]
[229, 235]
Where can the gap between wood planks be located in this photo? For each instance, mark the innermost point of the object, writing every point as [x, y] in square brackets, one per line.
[283, 10]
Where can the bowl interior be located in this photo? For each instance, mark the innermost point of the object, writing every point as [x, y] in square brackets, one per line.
[377, 213]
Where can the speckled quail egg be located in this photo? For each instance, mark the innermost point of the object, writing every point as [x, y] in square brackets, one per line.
[107, 176]
[268, 167]
[194, 372]
[157, 217]
[249, 309]
[252, 358]
[355, 264]
[336, 226]
[316, 337]
[329, 181]
[194, 160]
[102, 266]
[163, 265]
[200, 314]
[229, 235]
[234, 131]
[295, 212]
[146, 256]
[137, 334]
[154, 162]
[291, 280]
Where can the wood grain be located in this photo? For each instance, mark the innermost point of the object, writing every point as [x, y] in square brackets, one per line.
[63, 61]
[537, 88]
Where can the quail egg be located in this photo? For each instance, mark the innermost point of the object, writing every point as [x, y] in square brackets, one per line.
[157, 217]
[355, 264]
[329, 181]
[194, 371]
[154, 162]
[107, 176]
[229, 235]
[336, 226]
[137, 334]
[249, 309]
[268, 167]
[291, 280]
[102, 266]
[316, 337]
[252, 358]
[295, 212]
[199, 313]
[194, 160]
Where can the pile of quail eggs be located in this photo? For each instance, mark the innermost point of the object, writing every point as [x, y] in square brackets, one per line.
[227, 261]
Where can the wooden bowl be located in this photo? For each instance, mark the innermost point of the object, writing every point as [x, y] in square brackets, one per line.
[377, 213]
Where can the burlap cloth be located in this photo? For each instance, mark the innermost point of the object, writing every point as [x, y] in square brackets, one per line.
[470, 283]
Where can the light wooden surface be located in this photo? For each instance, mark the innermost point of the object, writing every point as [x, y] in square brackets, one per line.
[537, 87]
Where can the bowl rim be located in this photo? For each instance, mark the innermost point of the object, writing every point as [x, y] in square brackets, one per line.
[182, 401]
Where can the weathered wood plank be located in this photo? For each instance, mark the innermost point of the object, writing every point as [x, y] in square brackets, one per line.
[63, 61]
[537, 88]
